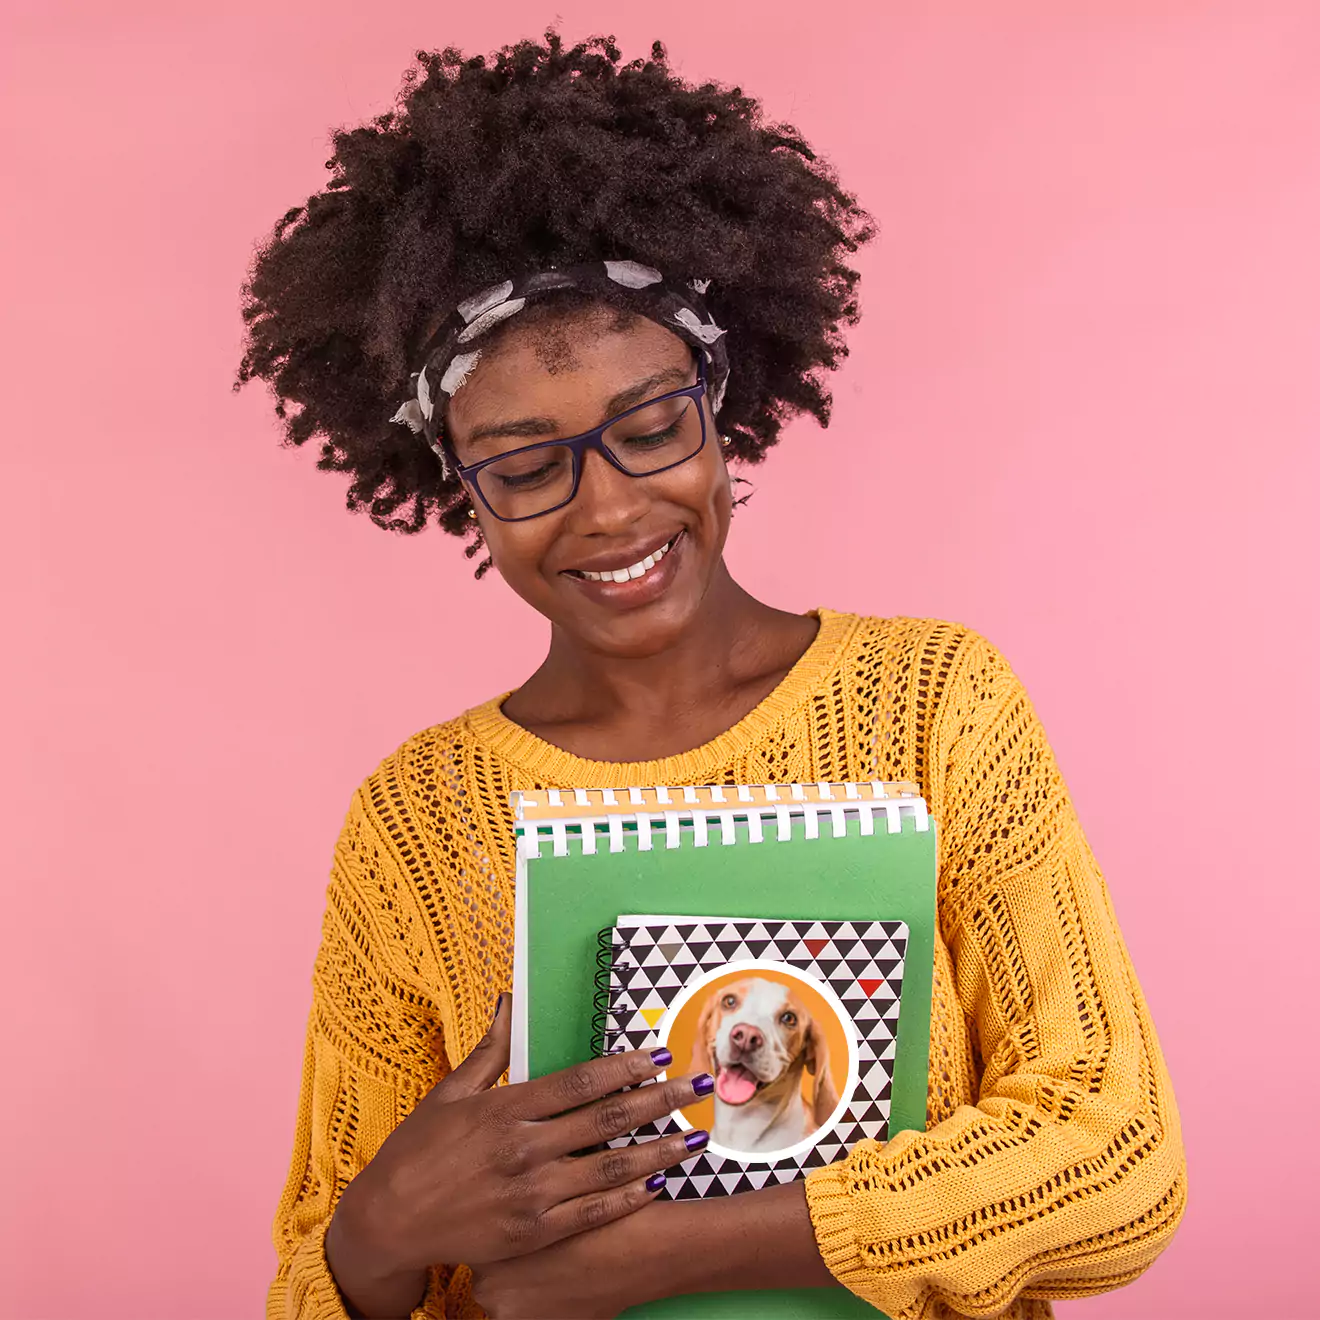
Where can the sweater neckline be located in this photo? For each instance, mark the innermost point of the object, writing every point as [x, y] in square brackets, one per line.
[555, 766]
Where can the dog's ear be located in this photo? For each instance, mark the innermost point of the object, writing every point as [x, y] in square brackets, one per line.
[817, 1052]
[701, 1060]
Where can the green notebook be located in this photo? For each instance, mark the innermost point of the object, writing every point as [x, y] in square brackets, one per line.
[778, 936]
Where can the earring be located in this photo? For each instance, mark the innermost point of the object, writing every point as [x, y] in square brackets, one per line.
[725, 442]
[472, 513]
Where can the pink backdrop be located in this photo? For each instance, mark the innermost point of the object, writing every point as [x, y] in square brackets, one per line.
[1083, 408]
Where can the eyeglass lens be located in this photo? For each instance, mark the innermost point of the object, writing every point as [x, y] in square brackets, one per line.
[532, 481]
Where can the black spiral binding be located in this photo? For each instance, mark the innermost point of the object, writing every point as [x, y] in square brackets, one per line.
[603, 1035]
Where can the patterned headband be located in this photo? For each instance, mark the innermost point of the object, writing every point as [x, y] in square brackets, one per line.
[448, 358]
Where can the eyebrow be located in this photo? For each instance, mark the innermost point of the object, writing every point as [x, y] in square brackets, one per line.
[621, 402]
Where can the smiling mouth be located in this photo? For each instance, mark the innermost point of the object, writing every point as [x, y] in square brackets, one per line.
[631, 572]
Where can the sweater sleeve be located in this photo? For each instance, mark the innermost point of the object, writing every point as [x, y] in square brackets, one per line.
[1067, 1177]
[374, 1046]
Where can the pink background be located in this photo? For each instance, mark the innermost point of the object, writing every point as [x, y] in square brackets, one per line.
[1082, 408]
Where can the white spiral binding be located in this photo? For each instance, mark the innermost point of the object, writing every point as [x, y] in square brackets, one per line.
[700, 829]
[673, 829]
[785, 818]
[719, 825]
[728, 830]
[587, 832]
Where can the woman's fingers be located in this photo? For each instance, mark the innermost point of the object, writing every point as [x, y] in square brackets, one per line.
[616, 1114]
[577, 1176]
[596, 1208]
[571, 1088]
[483, 1067]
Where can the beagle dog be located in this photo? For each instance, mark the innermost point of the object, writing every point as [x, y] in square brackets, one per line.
[755, 1038]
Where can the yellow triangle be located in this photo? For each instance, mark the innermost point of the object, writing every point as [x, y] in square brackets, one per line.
[652, 1015]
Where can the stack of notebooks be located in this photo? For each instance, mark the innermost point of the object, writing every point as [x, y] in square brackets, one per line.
[777, 936]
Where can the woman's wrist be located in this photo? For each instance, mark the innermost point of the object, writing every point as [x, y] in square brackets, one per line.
[373, 1286]
[750, 1241]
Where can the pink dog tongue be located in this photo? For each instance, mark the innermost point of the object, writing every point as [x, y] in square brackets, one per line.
[735, 1085]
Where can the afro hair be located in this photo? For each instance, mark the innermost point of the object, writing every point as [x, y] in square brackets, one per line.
[543, 154]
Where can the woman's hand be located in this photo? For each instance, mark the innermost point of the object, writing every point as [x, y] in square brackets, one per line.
[590, 1276]
[476, 1174]
[754, 1241]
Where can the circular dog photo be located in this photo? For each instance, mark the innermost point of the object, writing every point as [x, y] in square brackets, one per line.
[782, 1052]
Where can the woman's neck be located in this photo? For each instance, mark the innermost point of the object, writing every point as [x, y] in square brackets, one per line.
[609, 708]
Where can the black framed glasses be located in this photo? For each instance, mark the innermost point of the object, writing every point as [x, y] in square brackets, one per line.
[537, 479]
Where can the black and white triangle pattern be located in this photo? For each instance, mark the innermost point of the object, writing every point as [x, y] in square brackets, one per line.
[861, 961]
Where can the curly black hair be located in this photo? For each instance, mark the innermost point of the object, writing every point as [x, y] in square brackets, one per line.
[543, 154]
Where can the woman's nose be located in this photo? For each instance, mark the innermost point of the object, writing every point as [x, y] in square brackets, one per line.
[746, 1038]
[607, 500]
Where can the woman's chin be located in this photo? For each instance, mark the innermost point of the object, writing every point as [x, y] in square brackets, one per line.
[642, 633]
[636, 620]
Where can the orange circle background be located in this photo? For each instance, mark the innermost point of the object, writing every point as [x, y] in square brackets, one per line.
[683, 1031]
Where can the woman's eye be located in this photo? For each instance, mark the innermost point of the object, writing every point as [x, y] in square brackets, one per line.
[528, 477]
[655, 438]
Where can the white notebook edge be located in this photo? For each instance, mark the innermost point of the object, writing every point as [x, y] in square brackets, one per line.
[666, 827]
[518, 1058]
[632, 920]
[573, 804]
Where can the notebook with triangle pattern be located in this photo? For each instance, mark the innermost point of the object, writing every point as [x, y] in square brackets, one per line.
[665, 967]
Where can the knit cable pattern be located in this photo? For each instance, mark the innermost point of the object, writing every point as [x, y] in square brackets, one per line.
[1052, 1164]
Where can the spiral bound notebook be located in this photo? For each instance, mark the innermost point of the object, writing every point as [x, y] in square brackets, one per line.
[768, 871]
[796, 1020]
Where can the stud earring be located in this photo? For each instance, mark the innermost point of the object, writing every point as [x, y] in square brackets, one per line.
[725, 442]
[472, 513]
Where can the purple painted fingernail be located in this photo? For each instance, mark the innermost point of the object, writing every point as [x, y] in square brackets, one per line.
[655, 1182]
[661, 1058]
[704, 1084]
[696, 1140]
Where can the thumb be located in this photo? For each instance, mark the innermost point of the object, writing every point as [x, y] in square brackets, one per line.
[485, 1065]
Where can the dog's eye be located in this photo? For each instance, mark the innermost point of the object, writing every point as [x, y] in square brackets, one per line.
[729, 1001]
[788, 1019]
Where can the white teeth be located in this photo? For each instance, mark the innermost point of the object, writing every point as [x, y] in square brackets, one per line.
[633, 571]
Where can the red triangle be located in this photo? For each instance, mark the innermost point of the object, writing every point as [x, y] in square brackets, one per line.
[815, 946]
[869, 987]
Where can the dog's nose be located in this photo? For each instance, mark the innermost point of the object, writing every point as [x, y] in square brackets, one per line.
[746, 1038]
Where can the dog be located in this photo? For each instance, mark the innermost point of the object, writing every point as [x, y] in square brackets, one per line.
[756, 1038]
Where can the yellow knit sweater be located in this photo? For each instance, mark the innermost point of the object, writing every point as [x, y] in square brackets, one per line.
[1052, 1164]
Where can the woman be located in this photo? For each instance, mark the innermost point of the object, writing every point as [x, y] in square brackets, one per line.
[547, 302]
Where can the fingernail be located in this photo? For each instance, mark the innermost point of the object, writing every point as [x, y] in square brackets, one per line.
[499, 1004]
[655, 1182]
[696, 1140]
[704, 1084]
[661, 1058]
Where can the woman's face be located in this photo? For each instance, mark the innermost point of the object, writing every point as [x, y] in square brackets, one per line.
[559, 380]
